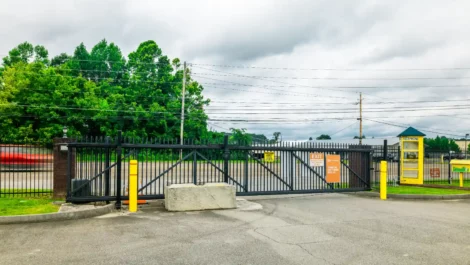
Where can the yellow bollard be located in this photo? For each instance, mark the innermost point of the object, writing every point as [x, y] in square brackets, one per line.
[461, 179]
[133, 186]
[383, 180]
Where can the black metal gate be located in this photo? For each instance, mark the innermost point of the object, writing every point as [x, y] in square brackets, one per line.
[98, 167]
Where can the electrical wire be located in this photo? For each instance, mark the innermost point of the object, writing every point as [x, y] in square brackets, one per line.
[333, 78]
[331, 69]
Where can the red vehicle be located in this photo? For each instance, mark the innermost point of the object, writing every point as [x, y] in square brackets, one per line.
[24, 157]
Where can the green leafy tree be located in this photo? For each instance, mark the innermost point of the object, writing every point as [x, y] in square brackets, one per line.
[240, 136]
[60, 59]
[98, 92]
[441, 144]
[324, 137]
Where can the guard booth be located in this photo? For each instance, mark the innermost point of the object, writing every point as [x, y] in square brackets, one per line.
[412, 156]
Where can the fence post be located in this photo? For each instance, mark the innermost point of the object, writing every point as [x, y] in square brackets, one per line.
[195, 167]
[107, 162]
[383, 180]
[449, 168]
[69, 174]
[385, 154]
[226, 158]
[399, 164]
[292, 161]
[118, 168]
[246, 171]
[63, 168]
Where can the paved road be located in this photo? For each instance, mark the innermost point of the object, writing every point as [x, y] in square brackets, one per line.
[319, 229]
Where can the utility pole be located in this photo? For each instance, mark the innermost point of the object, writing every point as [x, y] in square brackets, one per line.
[360, 118]
[182, 109]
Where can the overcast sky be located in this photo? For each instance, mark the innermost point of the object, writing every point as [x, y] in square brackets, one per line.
[368, 46]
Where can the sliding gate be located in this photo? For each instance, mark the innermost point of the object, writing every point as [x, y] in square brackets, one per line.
[99, 167]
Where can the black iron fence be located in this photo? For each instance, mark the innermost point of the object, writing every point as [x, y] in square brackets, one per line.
[98, 167]
[391, 154]
[436, 165]
[26, 168]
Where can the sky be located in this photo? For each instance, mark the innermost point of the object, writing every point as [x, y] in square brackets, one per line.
[292, 66]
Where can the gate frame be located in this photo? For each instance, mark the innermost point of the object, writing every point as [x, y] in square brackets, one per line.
[226, 149]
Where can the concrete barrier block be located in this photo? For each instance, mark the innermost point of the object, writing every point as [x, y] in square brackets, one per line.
[189, 197]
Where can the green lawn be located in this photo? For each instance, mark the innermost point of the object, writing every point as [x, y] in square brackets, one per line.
[455, 183]
[22, 206]
[423, 191]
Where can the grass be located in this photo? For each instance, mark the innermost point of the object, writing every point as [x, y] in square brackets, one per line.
[455, 183]
[423, 191]
[24, 193]
[22, 206]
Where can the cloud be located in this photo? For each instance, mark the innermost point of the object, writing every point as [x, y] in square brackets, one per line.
[361, 36]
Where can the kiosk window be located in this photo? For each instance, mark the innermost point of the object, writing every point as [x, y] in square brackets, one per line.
[411, 145]
[410, 173]
[411, 155]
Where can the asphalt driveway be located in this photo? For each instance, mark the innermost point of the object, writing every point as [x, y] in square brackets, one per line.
[314, 229]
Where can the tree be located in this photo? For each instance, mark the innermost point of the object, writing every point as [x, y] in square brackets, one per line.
[240, 136]
[60, 59]
[22, 53]
[259, 137]
[310, 139]
[98, 93]
[441, 144]
[357, 137]
[324, 137]
[276, 136]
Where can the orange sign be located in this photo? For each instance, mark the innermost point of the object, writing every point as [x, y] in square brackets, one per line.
[333, 168]
[435, 172]
[317, 159]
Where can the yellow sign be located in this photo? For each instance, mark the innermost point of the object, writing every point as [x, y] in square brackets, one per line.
[317, 159]
[269, 157]
[333, 168]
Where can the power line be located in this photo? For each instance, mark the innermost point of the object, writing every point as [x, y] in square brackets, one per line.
[381, 108]
[261, 78]
[281, 90]
[335, 78]
[333, 69]
[356, 87]
[318, 111]
[404, 126]
[344, 128]
[124, 62]
[280, 81]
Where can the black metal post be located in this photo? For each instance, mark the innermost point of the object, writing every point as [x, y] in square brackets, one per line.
[195, 167]
[69, 173]
[449, 168]
[246, 172]
[118, 168]
[107, 162]
[385, 150]
[291, 170]
[226, 158]
[399, 164]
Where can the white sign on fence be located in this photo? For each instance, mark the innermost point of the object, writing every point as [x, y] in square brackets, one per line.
[317, 159]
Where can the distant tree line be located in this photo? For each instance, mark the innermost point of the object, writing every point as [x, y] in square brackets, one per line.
[441, 143]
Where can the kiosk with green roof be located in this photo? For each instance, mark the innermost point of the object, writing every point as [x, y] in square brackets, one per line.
[412, 156]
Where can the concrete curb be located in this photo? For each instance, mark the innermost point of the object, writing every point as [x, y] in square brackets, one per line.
[60, 216]
[412, 196]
